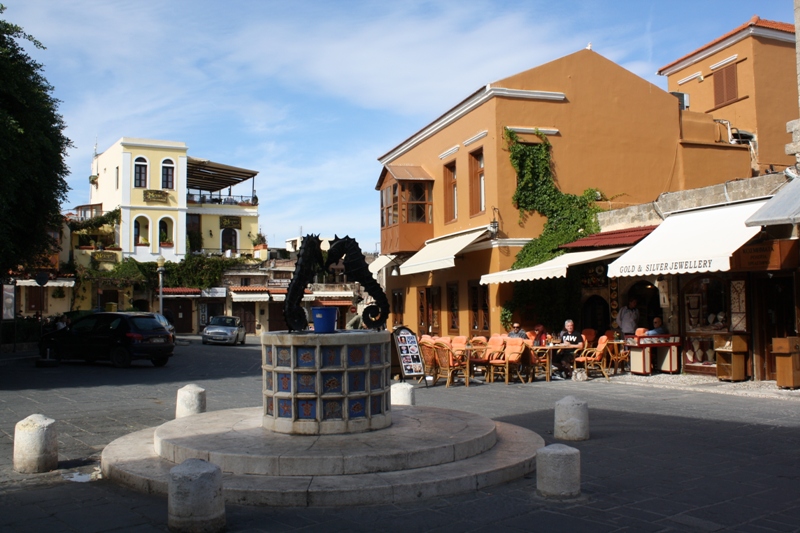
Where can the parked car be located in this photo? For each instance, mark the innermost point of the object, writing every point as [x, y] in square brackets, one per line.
[118, 337]
[224, 330]
[166, 323]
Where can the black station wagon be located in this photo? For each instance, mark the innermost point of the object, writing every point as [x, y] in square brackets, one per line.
[118, 337]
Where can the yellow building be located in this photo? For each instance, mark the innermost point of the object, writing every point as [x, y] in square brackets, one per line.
[447, 216]
[747, 80]
[170, 205]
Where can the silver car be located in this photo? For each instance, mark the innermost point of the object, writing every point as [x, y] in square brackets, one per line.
[224, 330]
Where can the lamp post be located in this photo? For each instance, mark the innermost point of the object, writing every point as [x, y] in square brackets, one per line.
[160, 262]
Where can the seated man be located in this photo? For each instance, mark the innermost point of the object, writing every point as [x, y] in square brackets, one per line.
[658, 327]
[563, 358]
[517, 332]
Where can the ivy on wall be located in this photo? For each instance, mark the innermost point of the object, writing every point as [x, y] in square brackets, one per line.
[569, 217]
[195, 271]
[111, 218]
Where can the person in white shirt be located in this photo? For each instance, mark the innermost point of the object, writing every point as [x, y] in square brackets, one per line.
[629, 317]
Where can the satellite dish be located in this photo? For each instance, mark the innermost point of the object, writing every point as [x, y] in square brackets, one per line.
[42, 278]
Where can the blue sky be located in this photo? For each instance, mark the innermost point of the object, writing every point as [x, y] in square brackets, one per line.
[310, 94]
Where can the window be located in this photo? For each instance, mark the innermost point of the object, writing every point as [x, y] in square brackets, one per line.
[450, 193]
[389, 205]
[417, 197]
[140, 172]
[137, 230]
[725, 86]
[452, 307]
[479, 308]
[167, 174]
[245, 282]
[164, 233]
[398, 306]
[477, 184]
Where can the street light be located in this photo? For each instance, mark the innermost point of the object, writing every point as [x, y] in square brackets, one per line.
[160, 262]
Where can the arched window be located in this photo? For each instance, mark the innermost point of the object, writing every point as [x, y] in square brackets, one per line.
[167, 174]
[140, 172]
[141, 230]
[136, 232]
[229, 240]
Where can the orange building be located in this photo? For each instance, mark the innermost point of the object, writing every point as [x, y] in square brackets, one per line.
[747, 80]
[447, 216]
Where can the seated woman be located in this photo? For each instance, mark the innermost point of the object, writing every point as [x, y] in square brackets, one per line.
[538, 335]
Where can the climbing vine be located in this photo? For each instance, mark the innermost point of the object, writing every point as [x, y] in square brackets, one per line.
[111, 218]
[569, 216]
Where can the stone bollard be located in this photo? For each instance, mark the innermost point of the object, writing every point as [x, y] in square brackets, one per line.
[403, 394]
[191, 401]
[35, 445]
[571, 419]
[558, 472]
[194, 499]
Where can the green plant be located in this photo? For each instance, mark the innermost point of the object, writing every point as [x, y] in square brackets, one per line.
[259, 239]
[195, 240]
[111, 218]
[569, 216]
[162, 237]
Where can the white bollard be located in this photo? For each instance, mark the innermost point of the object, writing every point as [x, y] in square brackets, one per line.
[571, 419]
[191, 401]
[403, 394]
[35, 445]
[194, 499]
[558, 472]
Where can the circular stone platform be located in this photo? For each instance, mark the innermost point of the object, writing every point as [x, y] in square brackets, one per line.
[426, 452]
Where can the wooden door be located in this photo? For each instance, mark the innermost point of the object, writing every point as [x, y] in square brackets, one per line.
[276, 321]
[429, 306]
[179, 312]
[247, 312]
[774, 317]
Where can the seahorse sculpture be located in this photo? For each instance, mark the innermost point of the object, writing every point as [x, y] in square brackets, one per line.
[309, 262]
[356, 269]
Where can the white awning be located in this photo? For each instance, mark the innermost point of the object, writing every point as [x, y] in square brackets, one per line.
[379, 263]
[555, 268]
[51, 283]
[249, 296]
[783, 208]
[691, 241]
[282, 297]
[440, 253]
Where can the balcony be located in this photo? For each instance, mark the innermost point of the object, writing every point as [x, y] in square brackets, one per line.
[205, 198]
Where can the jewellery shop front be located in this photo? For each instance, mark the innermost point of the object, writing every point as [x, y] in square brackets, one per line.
[727, 288]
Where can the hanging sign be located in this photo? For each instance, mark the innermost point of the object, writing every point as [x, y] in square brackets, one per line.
[230, 222]
[154, 195]
[767, 255]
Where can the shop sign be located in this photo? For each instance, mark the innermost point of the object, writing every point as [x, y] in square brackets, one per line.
[105, 257]
[230, 222]
[151, 195]
[213, 292]
[767, 255]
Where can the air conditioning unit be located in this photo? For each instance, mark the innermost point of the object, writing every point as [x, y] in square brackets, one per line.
[683, 99]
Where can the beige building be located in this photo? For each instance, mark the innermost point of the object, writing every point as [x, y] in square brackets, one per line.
[747, 80]
[447, 217]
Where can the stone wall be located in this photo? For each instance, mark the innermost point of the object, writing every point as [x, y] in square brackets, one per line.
[654, 212]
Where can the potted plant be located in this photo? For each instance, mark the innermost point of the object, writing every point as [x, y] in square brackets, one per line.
[164, 241]
[143, 242]
[259, 242]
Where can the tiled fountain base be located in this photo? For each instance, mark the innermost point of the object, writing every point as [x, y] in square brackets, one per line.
[427, 452]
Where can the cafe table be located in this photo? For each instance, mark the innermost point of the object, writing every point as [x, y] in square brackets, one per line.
[547, 351]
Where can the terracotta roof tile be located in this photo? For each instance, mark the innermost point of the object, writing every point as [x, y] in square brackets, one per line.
[756, 21]
[181, 290]
[609, 239]
[284, 291]
[248, 288]
[334, 303]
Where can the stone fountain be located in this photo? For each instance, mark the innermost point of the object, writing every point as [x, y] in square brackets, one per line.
[327, 434]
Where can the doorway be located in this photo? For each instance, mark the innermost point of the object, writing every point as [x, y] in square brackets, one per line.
[595, 315]
[649, 304]
[774, 317]
[179, 312]
[429, 311]
[247, 312]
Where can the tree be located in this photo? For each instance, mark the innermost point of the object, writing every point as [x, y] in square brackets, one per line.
[33, 148]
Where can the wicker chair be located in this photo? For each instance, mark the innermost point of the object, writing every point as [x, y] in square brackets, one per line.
[594, 358]
[494, 350]
[589, 336]
[449, 363]
[428, 352]
[511, 359]
[477, 354]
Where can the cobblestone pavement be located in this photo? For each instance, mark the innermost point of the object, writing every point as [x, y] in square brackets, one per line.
[667, 453]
